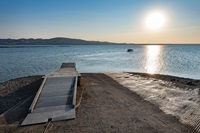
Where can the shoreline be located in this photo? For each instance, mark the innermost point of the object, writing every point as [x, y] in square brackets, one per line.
[22, 88]
[158, 76]
[175, 96]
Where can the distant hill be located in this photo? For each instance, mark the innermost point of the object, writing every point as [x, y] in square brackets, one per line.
[52, 41]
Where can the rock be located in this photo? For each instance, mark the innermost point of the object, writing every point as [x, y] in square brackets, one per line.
[190, 83]
[172, 80]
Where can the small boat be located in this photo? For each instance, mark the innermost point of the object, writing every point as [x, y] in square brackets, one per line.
[130, 50]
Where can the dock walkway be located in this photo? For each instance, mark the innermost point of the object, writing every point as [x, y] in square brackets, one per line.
[56, 97]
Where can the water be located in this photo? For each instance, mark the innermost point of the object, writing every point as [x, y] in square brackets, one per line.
[177, 60]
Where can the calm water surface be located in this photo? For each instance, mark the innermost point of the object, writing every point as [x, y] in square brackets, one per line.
[178, 60]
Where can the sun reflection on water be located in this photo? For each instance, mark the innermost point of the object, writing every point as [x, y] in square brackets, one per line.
[153, 59]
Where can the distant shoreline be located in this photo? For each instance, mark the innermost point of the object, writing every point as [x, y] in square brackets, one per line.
[53, 41]
[72, 41]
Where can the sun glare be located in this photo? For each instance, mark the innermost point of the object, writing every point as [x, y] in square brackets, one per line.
[155, 20]
[153, 59]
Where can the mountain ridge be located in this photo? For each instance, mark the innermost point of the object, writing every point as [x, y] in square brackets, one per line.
[52, 41]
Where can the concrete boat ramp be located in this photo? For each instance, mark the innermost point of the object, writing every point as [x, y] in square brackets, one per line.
[56, 97]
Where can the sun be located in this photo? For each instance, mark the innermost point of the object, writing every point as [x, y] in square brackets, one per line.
[155, 20]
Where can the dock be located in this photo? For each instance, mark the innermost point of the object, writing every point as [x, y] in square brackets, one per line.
[56, 97]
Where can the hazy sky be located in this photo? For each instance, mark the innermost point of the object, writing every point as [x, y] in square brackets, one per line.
[103, 20]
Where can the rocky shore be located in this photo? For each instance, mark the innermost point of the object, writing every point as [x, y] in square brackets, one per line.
[105, 105]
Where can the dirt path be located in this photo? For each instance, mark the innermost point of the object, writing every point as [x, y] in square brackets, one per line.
[118, 109]
[107, 106]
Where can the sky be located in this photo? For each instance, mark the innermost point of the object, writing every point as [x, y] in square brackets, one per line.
[101, 20]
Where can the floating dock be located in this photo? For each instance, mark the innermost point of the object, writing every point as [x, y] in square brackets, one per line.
[56, 97]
